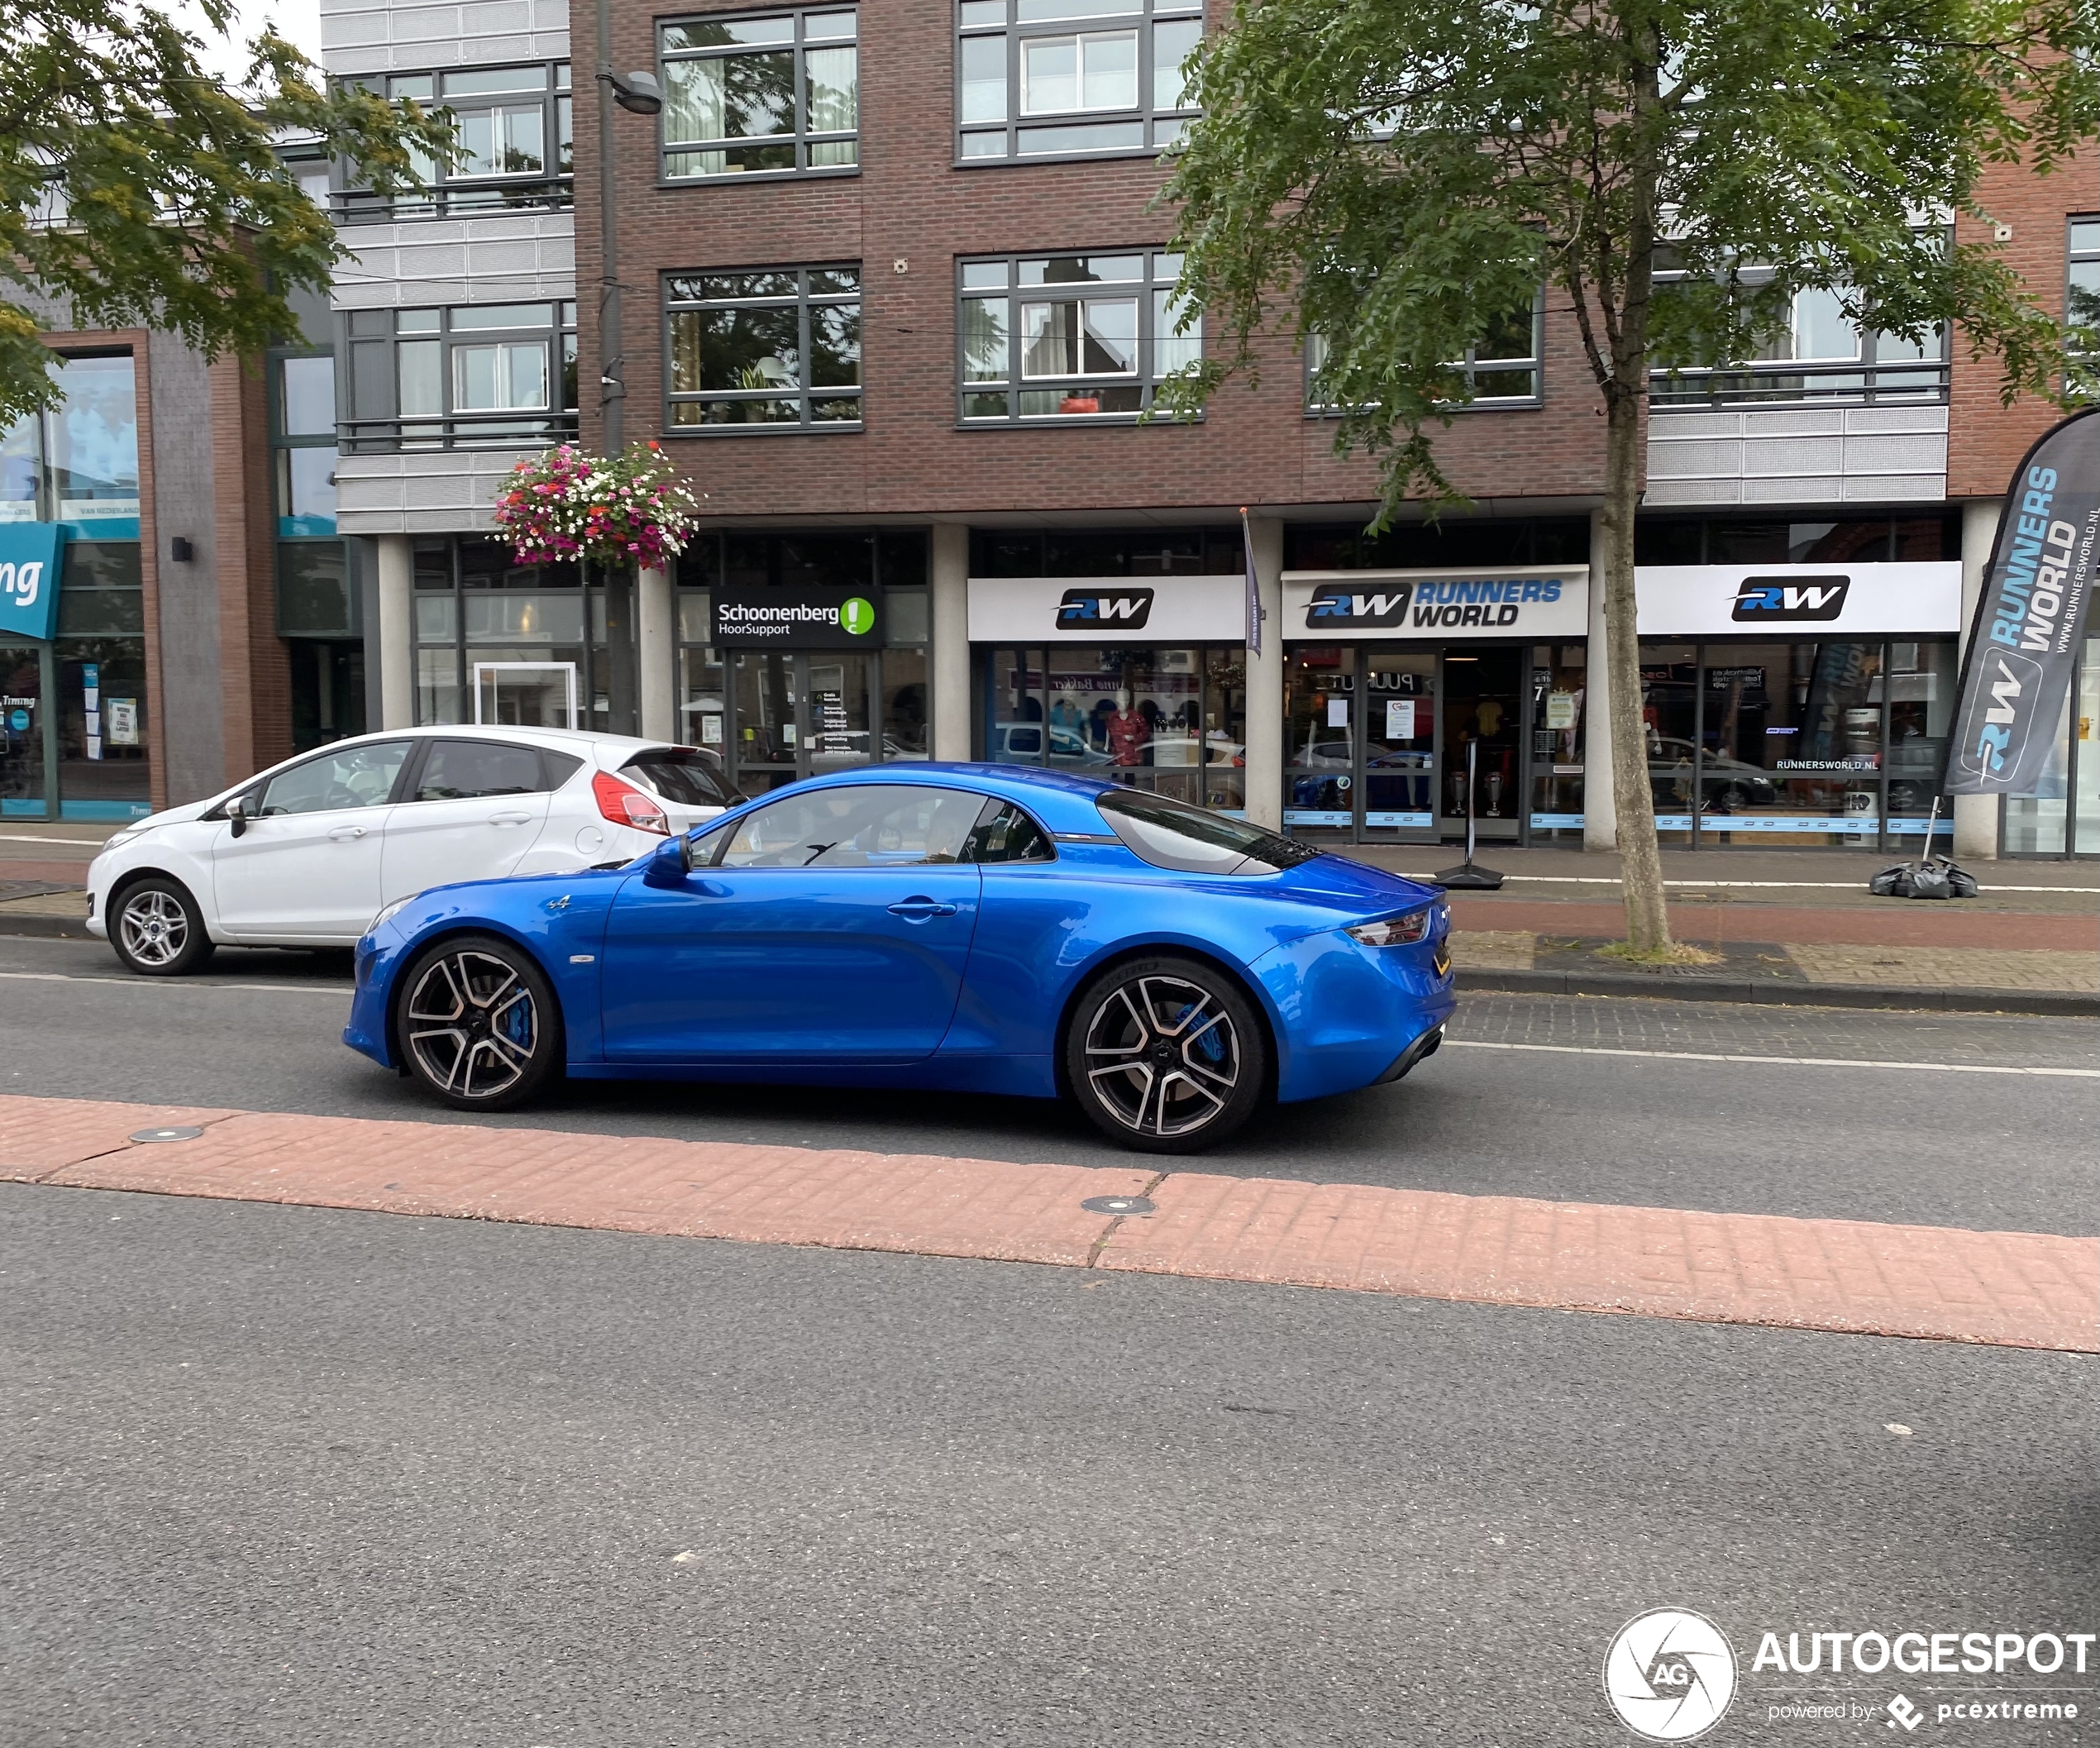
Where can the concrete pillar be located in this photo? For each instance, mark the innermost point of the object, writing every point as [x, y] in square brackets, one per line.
[396, 650]
[1265, 680]
[950, 655]
[1600, 817]
[656, 628]
[1976, 817]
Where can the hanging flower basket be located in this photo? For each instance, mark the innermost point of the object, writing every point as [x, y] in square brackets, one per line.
[565, 506]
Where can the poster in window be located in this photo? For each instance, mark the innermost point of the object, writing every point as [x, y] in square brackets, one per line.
[123, 722]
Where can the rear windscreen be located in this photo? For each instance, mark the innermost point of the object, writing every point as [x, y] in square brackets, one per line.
[684, 776]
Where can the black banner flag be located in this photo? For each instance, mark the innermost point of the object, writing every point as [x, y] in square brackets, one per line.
[2031, 616]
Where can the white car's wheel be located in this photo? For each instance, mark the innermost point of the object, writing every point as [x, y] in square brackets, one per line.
[156, 928]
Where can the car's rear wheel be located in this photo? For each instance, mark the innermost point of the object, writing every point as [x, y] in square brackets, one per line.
[1166, 1055]
[478, 1024]
[156, 928]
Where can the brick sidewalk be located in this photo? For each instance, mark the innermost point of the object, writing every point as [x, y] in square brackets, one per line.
[2003, 1288]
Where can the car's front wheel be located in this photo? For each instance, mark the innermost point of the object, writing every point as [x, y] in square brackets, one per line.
[1166, 1055]
[156, 928]
[478, 1024]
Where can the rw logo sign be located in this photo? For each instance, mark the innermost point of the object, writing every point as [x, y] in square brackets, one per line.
[1373, 608]
[1112, 609]
[1766, 600]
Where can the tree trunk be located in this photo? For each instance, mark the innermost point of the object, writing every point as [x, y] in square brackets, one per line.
[1648, 920]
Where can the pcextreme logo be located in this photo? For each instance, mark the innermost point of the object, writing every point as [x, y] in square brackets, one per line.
[1669, 1674]
[1113, 610]
[1766, 601]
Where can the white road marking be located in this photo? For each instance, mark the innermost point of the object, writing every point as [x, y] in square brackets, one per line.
[1793, 1062]
[78, 844]
[336, 991]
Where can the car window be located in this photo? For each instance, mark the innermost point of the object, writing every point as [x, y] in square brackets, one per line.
[684, 775]
[1171, 834]
[1024, 740]
[360, 776]
[1006, 834]
[855, 825]
[466, 770]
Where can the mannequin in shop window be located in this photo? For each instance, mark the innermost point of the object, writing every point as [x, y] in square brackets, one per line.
[1126, 733]
[1064, 714]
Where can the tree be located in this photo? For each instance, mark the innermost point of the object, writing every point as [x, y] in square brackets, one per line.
[1391, 177]
[141, 191]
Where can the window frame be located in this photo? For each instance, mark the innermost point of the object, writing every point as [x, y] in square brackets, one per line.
[1472, 366]
[1158, 128]
[372, 431]
[454, 193]
[1159, 271]
[2075, 257]
[802, 137]
[805, 393]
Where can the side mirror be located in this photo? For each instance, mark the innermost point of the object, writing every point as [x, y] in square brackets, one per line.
[237, 814]
[669, 863]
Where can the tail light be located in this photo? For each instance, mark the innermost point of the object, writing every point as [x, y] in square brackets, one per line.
[624, 804]
[1397, 931]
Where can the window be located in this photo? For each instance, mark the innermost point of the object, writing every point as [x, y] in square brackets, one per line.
[1170, 834]
[453, 379]
[1067, 336]
[1005, 834]
[760, 96]
[1501, 368]
[1820, 354]
[1042, 77]
[779, 349]
[467, 771]
[353, 776]
[874, 825]
[684, 775]
[2082, 291]
[514, 128]
[79, 464]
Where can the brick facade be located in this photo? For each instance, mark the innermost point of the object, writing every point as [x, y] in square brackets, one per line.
[906, 217]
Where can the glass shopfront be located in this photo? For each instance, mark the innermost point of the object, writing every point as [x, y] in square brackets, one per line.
[518, 640]
[1835, 742]
[2062, 817]
[1171, 720]
[1378, 738]
[775, 710]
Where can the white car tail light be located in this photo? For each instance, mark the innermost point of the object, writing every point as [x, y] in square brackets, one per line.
[624, 804]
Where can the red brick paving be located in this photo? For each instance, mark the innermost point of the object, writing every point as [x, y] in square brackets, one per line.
[1905, 924]
[2005, 1288]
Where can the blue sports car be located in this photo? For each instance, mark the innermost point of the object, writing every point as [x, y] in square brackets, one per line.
[977, 928]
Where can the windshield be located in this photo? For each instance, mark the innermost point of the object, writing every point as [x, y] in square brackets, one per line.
[1171, 834]
[684, 775]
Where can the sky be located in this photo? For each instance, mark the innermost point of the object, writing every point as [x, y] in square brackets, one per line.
[297, 21]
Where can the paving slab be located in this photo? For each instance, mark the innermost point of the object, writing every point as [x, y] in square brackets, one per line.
[2034, 1290]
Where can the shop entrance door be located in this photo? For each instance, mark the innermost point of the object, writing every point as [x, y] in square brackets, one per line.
[25, 776]
[1482, 703]
[798, 715]
[1397, 786]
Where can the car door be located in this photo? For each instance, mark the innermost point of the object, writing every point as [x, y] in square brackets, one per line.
[832, 925]
[306, 866]
[472, 810]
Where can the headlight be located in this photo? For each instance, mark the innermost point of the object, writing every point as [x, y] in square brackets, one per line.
[399, 905]
[1396, 931]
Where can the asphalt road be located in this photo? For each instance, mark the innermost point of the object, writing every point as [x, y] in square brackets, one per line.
[1916, 1143]
[273, 1476]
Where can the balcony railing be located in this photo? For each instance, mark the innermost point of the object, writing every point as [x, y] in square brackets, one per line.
[1755, 384]
[456, 200]
[455, 431]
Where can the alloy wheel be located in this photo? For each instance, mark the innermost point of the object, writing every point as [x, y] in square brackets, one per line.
[472, 1024]
[1163, 1058]
[154, 927]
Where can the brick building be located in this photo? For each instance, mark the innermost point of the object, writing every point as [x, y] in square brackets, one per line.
[896, 295]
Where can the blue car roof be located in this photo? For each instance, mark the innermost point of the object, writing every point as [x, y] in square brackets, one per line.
[1064, 802]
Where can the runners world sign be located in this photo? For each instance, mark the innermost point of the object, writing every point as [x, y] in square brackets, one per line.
[1343, 606]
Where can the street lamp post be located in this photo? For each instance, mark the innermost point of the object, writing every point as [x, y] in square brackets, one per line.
[640, 93]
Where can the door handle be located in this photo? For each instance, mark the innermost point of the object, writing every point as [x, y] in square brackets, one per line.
[918, 910]
[510, 819]
[345, 833]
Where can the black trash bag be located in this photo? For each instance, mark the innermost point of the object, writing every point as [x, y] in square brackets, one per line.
[1961, 883]
[1892, 883]
[1931, 881]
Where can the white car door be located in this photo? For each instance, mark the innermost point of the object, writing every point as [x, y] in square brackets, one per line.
[475, 809]
[306, 866]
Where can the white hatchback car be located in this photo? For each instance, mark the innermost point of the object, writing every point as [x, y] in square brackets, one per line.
[308, 852]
